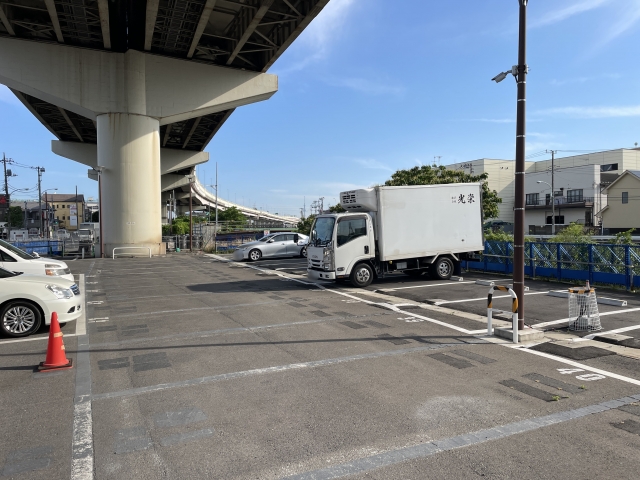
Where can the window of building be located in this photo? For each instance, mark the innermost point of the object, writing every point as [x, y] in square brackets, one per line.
[559, 220]
[609, 167]
[574, 196]
[63, 217]
[533, 198]
[625, 197]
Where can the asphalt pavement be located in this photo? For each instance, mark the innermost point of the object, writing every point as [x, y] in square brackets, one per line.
[197, 367]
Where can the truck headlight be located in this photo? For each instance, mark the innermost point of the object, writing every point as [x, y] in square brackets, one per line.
[54, 270]
[327, 261]
[59, 291]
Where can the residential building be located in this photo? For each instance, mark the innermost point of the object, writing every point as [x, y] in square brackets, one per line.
[577, 197]
[66, 208]
[611, 164]
[622, 211]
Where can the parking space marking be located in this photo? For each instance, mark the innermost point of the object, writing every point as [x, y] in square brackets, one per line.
[262, 371]
[573, 363]
[422, 450]
[617, 330]
[483, 298]
[422, 286]
[602, 314]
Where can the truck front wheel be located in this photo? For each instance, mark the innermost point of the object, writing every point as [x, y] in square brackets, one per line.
[361, 275]
[442, 269]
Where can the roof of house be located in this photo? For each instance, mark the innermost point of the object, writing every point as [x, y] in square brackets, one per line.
[63, 197]
[635, 173]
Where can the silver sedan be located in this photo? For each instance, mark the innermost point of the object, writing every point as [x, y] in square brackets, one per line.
[282, 244]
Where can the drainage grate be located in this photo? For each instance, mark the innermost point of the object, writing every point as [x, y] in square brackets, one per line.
[529, 390]
[451, 361]
[150, 361]
[373, 323]
[392, 339]
[553, 383]
[353, 325]
[113, 363]
[474, 356]
[296, 304]
[630, 426]
[28, 460]
[110, 328]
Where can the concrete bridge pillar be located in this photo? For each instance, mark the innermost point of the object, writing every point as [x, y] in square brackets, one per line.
[128, 95]
[129, 153]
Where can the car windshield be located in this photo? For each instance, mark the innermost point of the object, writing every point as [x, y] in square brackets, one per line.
[16, 251]
[7, 274]
[322, 231]
[264, 239]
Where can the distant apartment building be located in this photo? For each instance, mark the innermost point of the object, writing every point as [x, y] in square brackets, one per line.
[580, 181]
[68, 209]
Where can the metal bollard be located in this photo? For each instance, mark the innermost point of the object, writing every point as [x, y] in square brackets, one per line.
[514, 310]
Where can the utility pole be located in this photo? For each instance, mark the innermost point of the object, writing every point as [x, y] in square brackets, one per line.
[191, 214]
[553, 194]
[6, 192]
[215, 233]
[40, 172]
[518, 247]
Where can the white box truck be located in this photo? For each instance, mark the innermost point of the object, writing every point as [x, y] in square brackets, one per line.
[412, 229]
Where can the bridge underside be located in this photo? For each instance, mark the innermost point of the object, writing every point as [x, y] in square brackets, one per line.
[185, 65]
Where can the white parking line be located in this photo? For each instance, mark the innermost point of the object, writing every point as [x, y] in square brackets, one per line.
[483, 298]
[423, 286]
[602, 314]
[617, 330]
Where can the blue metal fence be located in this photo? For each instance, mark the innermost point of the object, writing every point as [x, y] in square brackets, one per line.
[598, 263]
[41, 247]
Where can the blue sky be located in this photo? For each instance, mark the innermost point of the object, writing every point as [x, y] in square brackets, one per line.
[373, 86]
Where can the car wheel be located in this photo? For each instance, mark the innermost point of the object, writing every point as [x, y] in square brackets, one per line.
[255, 255]
[361, 275]
[303, 252]
[442, 269]
[20, 318]
[413, 273]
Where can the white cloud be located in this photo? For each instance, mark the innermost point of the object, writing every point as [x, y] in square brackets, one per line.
[566, 12]
[629, 17]
[591, 112]
[366, 86]
[372, 163]
[315, 42]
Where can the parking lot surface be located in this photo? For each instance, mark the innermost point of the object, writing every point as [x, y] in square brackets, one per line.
[193, 366]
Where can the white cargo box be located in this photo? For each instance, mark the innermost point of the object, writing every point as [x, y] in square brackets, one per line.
[423, 220]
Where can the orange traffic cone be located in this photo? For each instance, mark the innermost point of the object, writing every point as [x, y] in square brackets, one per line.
[56, 357]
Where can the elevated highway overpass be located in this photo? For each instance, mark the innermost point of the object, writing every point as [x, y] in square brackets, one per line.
[137, 89]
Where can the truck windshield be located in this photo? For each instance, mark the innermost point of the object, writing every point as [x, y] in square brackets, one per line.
[322, 231]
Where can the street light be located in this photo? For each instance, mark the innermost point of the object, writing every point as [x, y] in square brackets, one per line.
[553, 207]
[519, 71]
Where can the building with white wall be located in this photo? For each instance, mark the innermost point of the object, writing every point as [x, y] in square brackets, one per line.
[622, 211]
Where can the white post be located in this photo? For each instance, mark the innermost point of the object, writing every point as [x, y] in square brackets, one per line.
[489, 326]
[515, 327]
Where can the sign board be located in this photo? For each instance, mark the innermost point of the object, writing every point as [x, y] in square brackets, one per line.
[73, 217]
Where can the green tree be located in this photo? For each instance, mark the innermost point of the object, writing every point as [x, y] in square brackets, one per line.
[304, 225]
[337, 208]
[574, 233]
[231, 214]
[624, 238]
[434, 175]
[16, 216]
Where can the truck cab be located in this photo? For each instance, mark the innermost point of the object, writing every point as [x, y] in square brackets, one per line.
[338, 243]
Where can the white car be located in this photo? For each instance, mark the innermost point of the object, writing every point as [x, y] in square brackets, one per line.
[27, 301]
[281, 244]
[16, 260]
